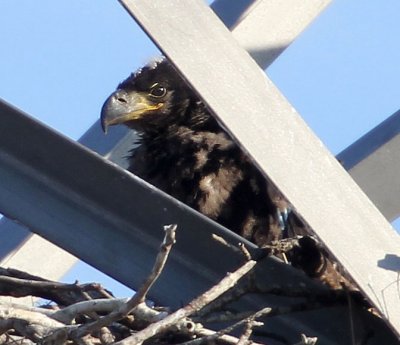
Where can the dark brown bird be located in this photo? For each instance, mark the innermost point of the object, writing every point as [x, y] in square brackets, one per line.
[186, 153]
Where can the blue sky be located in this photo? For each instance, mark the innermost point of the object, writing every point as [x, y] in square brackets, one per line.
[60, 60]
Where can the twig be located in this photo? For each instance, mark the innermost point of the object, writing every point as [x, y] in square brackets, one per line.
[6, 305]
[244, 338]
[307, 340]
[68, 314]
[165, 248]
[16, 283]
[245, 251]
[207, 336]
[87, 340]
[34, 326]
[105, 336]
[198, 303]
[232, 295]
[240, 248]
[139, 297]
[8, 339]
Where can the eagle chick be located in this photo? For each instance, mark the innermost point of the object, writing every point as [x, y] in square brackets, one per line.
[185, 152]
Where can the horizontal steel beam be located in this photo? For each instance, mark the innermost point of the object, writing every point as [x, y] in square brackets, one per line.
[68, 192]
[104, 215]
[279, 141]
[23, 250]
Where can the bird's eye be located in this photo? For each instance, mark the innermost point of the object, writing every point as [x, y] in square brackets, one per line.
[158, 91]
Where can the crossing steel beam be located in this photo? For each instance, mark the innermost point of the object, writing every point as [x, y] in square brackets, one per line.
[373, 162]
[280, 22]
[321, 191]
[63, 191]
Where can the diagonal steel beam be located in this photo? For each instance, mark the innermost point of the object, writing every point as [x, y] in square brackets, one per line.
[279, 141]
[281, 23]
[265, 28]
[35, 184]
[373, 163]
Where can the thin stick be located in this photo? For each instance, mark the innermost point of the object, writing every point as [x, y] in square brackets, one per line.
[165, 248]
[208, 336]
[244, 338]
[307, 340]
[245, 251]
[198, 303]
[139, 297]
[16, 283]
[225, 243]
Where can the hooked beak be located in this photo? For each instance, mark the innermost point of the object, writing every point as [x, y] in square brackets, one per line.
[122, 107]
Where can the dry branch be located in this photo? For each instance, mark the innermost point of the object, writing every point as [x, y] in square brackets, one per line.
[139, 297]
[307, 340]
[51, 326]
[207, 336]
[240, 248]
[89, 315]
[32, 325]
[21, 284]
[197, 304]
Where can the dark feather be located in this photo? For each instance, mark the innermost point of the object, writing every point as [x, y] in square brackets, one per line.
[186, 153]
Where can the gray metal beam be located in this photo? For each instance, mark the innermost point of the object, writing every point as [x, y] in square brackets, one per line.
[69, 193]
[373, 162]
[281, 23]
[113, 220]
[37, 182]
[31, 253]
[24, 250]
[296, 161]
[12, 256]
[265, 28]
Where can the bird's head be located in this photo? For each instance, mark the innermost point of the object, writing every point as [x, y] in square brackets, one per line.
[154, 96]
